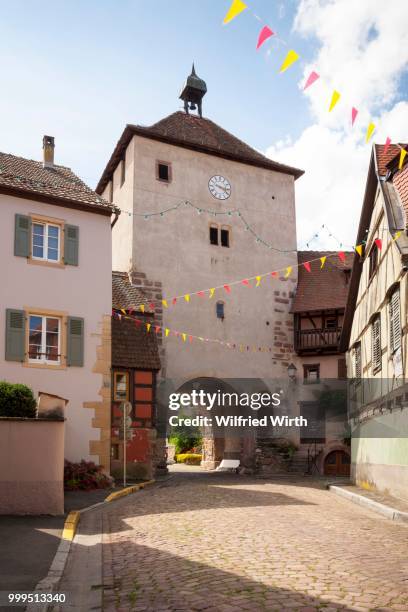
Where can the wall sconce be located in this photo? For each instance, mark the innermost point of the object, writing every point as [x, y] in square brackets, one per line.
[292, 369]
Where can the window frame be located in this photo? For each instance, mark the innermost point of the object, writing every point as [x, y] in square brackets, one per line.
[46, 224]
[160, 162]
[393, 318]
[114, 386]
[373, 261]
[307, 367]
[222, 305]
[226, 229]
[44, 361]
[215, 227]
[357, 363]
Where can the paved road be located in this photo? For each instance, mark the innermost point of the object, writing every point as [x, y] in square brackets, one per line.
[229, 543]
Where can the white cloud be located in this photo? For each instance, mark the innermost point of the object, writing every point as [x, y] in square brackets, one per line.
[362, 52]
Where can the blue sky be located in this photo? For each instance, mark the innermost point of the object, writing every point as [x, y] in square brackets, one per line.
[81, 70]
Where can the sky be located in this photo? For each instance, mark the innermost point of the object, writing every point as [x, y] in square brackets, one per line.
[81, 69]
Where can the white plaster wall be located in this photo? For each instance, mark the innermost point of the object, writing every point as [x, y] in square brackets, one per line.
[175, 249]
[83, 291]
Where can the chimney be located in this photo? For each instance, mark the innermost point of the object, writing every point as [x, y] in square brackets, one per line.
[48, 151]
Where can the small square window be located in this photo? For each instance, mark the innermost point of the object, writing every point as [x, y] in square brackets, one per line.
[311, 373]
[220, 310]
[120, 386]
[225, 238]
[213, 235]
[163, 171]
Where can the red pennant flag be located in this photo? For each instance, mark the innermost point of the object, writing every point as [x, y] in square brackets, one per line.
[227, 288]
[190, 338]
[174, 300]
[264, 34]
[378, 242]
[245, 282]
[312, 78]
[342, 256]
[274, 274]
[151, 306]
[354, 113]
[157, 329]
[200, 293]
[387, 144]
[138, 322]
[307, 265]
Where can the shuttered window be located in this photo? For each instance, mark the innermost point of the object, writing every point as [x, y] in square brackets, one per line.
[395, 321]
[15, 335]
[71, 245]
[75, 341]
[42, 241]
[22, 236]
[376, 344]
[357, 361]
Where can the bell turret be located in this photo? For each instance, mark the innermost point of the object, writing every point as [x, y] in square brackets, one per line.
[193, 91]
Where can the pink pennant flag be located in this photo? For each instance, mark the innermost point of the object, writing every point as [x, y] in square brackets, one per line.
[378, 242]
[227, 288]
[387, 144]
[245, 282]
[342, 256]
[151, 306]
[190, 338]
[307, 265]
[354, 113]
[312, 78]
[200, 293]
[173, 301]
[157, 329]
[274, 274]
[264, 34]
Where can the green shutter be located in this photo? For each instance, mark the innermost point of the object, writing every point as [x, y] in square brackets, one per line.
[75, 341]
[22, 236]
[15, 335]
[71, 245]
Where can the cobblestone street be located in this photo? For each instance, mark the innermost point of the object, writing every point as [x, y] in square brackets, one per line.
[225, 543]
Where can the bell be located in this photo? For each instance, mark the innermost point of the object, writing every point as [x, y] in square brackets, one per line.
[192, 106]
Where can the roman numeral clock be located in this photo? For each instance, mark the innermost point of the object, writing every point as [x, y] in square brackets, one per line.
[219, 187]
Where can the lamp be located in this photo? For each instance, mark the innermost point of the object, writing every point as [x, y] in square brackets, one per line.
[292, 369]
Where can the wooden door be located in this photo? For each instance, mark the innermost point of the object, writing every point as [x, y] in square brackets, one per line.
[337, 463]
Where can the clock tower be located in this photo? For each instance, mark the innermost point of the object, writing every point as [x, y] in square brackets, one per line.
[202, 209]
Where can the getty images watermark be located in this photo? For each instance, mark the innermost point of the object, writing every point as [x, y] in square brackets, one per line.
[207, 401]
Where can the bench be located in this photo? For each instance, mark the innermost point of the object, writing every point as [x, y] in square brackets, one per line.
[228, 465]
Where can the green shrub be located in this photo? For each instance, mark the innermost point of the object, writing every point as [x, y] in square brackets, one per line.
[189, 458]
[17, 401]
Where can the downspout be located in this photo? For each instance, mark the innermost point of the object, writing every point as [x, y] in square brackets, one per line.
[117, 213]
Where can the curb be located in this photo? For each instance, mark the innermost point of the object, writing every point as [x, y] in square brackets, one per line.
[50, 583]
[391, 513]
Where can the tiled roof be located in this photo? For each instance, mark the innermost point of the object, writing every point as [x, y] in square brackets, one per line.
[133, 346]
[322, 289]
[30, 179]
[127, 296]
[384, 159]
[198, 133]
[399, 178]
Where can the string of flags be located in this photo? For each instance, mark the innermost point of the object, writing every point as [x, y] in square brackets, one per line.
[256, 280]
[166, 332]
[229, 213]
[238, 6]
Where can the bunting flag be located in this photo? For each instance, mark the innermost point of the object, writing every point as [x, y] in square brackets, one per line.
[212, 291]
[290, 59]
[142, 308]
[359, 249]
[227, 288]
[235, 9]
[274, 274]
[334, 99]
[323, 261]
[200, 293]
[342, 256]
[167, 331]
[387, 144]
[245, 282]
[184, 337]
[378, 242]
[354, 113]
[258, 281]
[306, 264]
[312, 78]
[397, 235]
[401, 159]
[164, 302]
[264, 34]
[148, 326]
[370, 131]
[174, 301]
[123, 310]
[288, 271]
[187, 297]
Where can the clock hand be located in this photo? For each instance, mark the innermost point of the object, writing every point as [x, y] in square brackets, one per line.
[221, 187]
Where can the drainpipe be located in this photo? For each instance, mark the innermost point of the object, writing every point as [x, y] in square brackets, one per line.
[117, 213]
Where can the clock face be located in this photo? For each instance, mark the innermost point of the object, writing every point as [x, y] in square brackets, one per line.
[219, 187]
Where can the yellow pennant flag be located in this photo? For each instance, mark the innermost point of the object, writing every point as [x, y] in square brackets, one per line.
[212, 292]
[148, 326]
[142, 308]
[370, 130]
[123, 310]
[359, 249]
[187, 297]
[323, 260]
[288, 271]
[401, 159]
[184, 337]
[167, 331]
[164, 302]
[258, 281]
[335, 98]
[235, 9]
[397, 235]
[290, 59]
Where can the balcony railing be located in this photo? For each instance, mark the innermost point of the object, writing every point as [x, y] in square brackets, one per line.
[317, 339]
